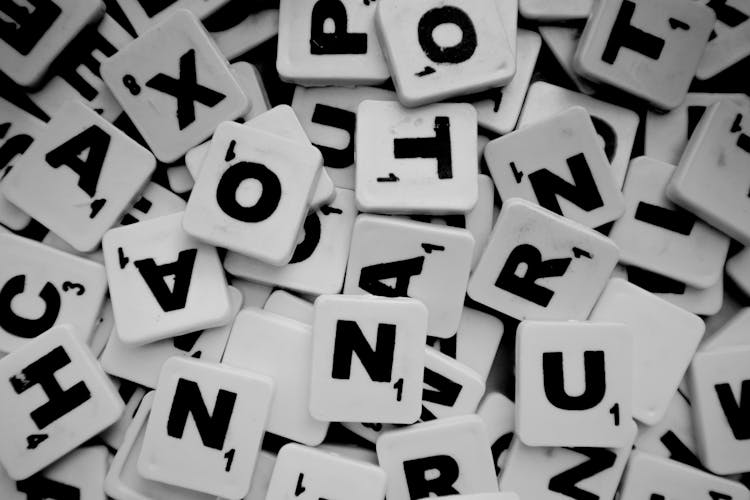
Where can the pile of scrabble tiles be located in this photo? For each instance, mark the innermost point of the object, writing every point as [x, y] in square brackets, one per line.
[396, 249]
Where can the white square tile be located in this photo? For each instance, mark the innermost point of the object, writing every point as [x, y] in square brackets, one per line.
[428, 68]
[34, 37]
[550, 10]
[500, 110]
[498, 414]
[475, 343]
[649, 48]
[718, 379]
[538, 265]
[175, 85]
[657, 236]
[318, 263]
[727, 44]
[55, 398]
[543, 175]
[124, 482]
[416, 160]
[553, 473]
[712, 179]
[329, 42]
[163, 282]
[665, 340]
[667, 134]
[214, 451]
[281, 349]
[387, 338]
[648, 476]
[329, 116]
[393, 257]
[574, 384]
[263, 221]
[43, 287]
[444, 457]
[302, 471]
[77, 76]
[615, 125]
[79, 200]
[142, 363]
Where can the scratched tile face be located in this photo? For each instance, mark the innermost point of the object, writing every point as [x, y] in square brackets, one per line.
[55, 397]
[77, 199]
[175, 85]
[650, 49]
[538, 265]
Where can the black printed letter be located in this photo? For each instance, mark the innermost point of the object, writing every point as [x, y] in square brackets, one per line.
[226, 192]
[454, 54]
[25, 327]
[182, 269]
[599, 459]
[525, 286]
[339, 41]
[738, 416]
[582, 192]
[189, 401]
[554, 381]
[441, 485]
[625, 35]
[371, 277]
[438, 147]
[350, 340]
[96, 142]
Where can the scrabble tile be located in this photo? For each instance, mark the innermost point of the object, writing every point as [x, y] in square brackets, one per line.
[142, 363]
[727, 44]
[143, 16]
[155, 201]
[235, 34]
[76, 74]
[264, 467]
[733, 333]
[85, 198]
[650, 49]
[475, 343]
[78, 475]
[718, 379]
[667, 134]
[498, 414]
[498, 110]
[43, 287]
[163, 282]
[549, 10]
[701, 301]
[574, 383]
[478, 220]
[216, 453]
[657, 236]
[55, 398]
[416, 160]
[538, 265]
[673, 436]
[301, 470]
[712, 179]
[541, 175]
[655, 477]
[554, 473]
[34, 37]
[253, 294]
[444, 457]
[615, 125]
[124, 482]
[132, 396]
[562, 41]
[398, 258]
[279, 348]
[329, 42]
[280, 121]
[318, 263]
[19, 130]
[251, 83]
[387, 337]
[329, 117]
[263, 223]
[175, 85]
[665, 339]
[430, 64]
[285, 304]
